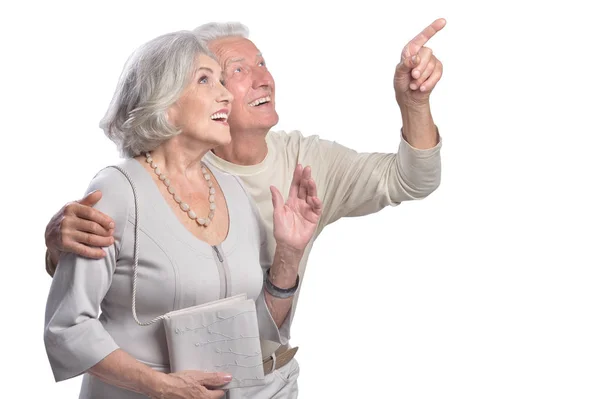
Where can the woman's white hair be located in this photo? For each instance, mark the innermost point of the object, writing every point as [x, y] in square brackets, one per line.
[152, 80]
[217, 30]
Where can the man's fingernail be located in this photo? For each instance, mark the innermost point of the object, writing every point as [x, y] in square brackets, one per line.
[111, 225]
[227, 377]
[413, 58]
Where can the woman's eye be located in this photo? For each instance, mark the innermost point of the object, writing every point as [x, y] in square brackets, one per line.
[203, 80]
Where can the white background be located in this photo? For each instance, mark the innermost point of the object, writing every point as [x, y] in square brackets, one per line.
[487, 289]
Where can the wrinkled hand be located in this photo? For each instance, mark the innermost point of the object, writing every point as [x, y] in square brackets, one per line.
[192, 384]
[80, 229]
[295, 221]
[419, 70]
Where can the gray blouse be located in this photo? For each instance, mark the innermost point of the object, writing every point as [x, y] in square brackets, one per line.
[88, 312]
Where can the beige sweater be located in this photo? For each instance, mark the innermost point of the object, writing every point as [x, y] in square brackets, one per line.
[349, 184]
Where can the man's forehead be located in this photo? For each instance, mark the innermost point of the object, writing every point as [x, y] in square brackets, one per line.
[234, 49]
[240, 59]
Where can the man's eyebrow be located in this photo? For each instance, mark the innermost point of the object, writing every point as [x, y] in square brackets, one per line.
[239, 59]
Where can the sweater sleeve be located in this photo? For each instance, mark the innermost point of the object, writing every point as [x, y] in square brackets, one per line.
[357, 184]
[74, 338]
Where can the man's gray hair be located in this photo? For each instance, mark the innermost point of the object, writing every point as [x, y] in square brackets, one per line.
[217, 30]
[152, 80]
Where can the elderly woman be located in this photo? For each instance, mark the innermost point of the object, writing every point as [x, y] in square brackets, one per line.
[198, 239]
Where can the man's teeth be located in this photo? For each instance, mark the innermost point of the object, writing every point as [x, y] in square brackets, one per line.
[219, 115]
[260, 101]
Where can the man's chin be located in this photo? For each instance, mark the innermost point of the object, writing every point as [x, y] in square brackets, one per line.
[262, 125]
[265, 117]
[274, 121]
[270, 121]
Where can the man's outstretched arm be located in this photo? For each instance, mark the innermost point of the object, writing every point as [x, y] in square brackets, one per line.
[356, 184]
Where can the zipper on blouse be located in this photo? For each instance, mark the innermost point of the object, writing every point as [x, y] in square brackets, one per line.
[218, 254]
[223, 272]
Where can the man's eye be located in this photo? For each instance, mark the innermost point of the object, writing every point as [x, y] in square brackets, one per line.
[237, 70]
[262, 63]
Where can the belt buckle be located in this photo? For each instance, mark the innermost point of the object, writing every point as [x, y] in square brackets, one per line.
[276, 359]
[274, 365]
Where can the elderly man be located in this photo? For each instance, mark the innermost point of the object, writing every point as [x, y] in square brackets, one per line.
[349, 183]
